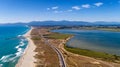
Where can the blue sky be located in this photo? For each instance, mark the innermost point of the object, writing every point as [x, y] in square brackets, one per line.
[74, 10]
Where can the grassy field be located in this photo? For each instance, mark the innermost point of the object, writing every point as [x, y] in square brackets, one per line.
[57, 36]
[104, 29]
[36, 38]
[110, 29]
[94, 54]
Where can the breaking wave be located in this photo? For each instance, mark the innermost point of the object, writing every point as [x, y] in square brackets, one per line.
[13, 57]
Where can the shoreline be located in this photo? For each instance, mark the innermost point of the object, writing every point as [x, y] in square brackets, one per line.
[27, 59]
[74, 56]
[116, 57]
[94, 60]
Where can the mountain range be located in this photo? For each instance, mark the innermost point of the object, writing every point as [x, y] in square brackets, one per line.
[66, 23]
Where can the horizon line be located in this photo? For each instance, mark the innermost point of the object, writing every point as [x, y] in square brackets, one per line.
[58, 21]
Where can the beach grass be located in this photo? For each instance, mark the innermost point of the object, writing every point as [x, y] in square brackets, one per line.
[35, 38]
[94, 54]
[102, 28]
[110, 29]
[45, 56]
[57, 36]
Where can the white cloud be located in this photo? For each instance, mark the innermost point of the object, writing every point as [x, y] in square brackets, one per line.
[98, 4]
[58, 11]
[48, 8]
[76, 8]
[53, 8]
[86, 6]
[56, 7]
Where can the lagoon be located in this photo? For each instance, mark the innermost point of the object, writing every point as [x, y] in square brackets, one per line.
[96, 40]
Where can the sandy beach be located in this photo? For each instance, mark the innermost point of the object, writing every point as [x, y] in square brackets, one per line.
[27, 59]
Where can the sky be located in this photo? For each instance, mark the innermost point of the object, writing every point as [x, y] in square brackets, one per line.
[73, 10]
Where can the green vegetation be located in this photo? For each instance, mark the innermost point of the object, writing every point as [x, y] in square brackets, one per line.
[101, 28]
[94, 54]
[110, 29]
[35, 38]
[57, 36]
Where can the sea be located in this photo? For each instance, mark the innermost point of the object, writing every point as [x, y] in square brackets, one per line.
[96, 40]
[12, 44]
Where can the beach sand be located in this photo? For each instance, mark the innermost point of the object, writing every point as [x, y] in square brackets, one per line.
[27, 59]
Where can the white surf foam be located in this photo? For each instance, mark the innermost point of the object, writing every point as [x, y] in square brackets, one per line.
[19, 36]
[12, 57]
[6, 58]
[21, 44]
[20, 52]
[1, 65]
[19, 49]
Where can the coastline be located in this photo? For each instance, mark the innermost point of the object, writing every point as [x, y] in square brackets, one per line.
[27, 59]
[71, 59]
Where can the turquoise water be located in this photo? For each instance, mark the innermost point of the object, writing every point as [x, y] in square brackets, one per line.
[103, 41]
[12, 44]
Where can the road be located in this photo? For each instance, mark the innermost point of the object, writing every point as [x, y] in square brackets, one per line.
[60, 56]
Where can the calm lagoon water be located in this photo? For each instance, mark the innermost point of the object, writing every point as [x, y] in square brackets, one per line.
[12, 44]
[97, 40]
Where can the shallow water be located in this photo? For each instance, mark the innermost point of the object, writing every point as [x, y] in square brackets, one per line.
[103, 41]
